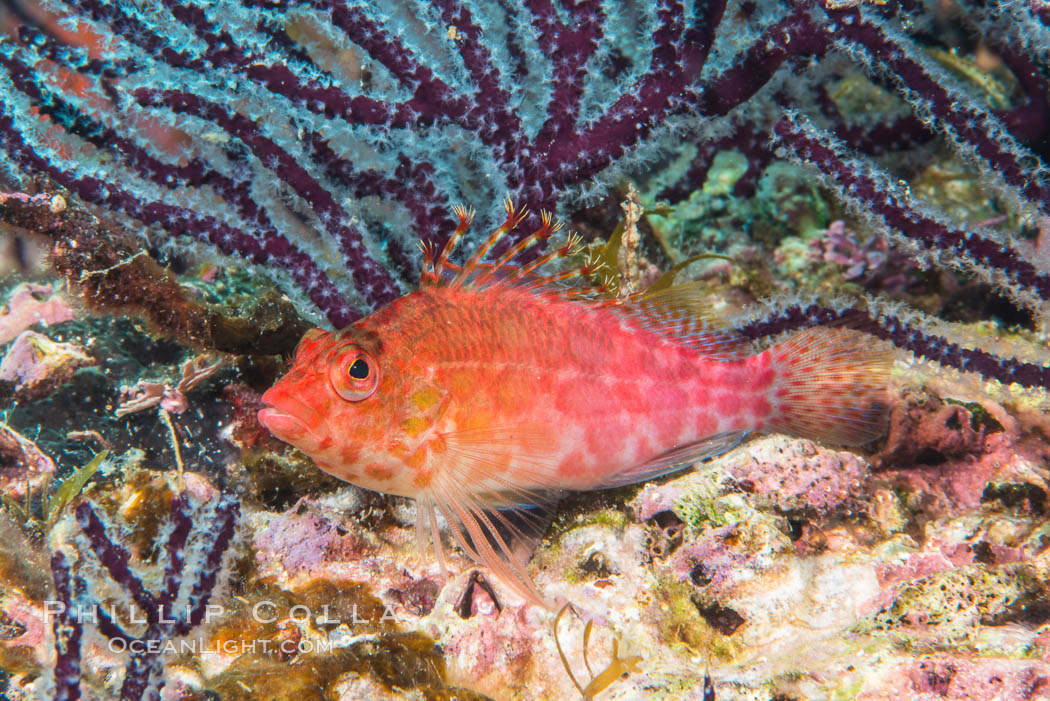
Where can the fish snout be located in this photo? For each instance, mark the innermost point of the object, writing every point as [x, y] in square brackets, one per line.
[288, 418]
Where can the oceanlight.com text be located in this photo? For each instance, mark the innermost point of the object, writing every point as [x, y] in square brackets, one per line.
[232, 648]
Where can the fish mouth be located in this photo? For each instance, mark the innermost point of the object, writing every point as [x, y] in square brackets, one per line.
[280, 423]
[294, 428]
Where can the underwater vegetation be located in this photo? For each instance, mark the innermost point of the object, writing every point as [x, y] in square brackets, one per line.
[187, 187]
[321, 141]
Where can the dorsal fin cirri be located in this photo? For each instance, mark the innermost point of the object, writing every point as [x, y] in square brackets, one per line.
[678, 312]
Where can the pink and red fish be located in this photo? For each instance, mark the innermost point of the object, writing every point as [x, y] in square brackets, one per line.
[490, 386]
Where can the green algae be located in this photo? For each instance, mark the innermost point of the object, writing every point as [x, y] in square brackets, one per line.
[714, 218]
[588, 509]
[952, 186]
[995, 86]
[699, 507]
[855, 95]
[707, 503]
[727, 167]
[680, 624]
[575, 516]
[980, 417]
[52, 503]
[952, 604]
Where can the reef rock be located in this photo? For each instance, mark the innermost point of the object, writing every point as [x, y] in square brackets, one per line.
[36, 365]
[30, 304]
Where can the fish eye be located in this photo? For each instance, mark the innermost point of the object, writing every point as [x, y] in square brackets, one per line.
[354, 374]
[358, 369]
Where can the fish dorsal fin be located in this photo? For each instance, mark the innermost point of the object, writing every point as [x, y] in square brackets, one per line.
[679, 313]
[478, 273]
[676, 459]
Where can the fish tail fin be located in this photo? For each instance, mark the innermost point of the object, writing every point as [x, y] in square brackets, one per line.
[831, 385]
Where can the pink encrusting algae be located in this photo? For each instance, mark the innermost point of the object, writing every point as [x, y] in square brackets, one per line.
[492, 386]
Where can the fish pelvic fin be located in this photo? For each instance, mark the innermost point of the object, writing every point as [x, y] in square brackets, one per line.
[831, 385]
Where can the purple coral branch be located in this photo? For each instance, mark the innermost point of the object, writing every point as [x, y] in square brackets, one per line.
[328, 100]
[183, 221]
[376, 284]
[792, 36]
[951, 110]
[207, 575]
[175, 546]
[910, 337]
[432, 99]
[372, 279]
[574, 44]
[678, 56]
[115, 559]
[489, 112]
[411, 185]
[194, 174]
[68, 631]
[144, 667]
[884, 202]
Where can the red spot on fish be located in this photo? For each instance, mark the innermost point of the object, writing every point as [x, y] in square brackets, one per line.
[348, 454]
[761, 407]
[763, 379]
[728, 403]
[379, 472]
[706, 424]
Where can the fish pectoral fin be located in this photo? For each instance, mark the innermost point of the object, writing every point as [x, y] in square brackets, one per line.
[494, 532]
[493, 489]
[676, 459]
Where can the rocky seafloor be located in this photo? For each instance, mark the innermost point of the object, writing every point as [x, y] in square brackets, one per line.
[154, 535]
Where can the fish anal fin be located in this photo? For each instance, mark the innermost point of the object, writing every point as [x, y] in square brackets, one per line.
[677, 459]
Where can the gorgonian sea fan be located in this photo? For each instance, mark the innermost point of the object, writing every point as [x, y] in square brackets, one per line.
[320, 140]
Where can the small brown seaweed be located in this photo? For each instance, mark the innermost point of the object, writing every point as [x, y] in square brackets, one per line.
[113, 273]
[617, 668]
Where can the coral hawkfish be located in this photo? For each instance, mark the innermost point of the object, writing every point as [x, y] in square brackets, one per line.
[492, 385]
